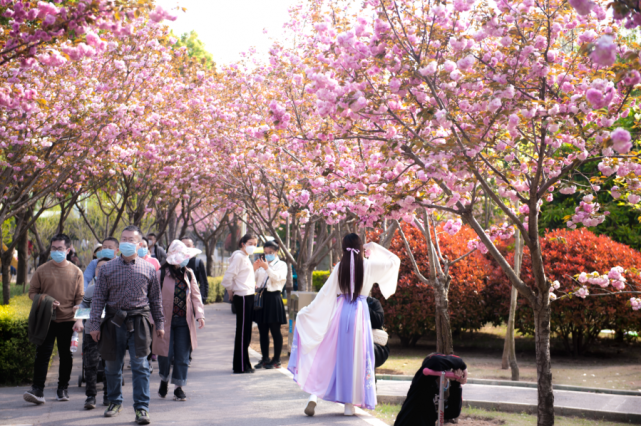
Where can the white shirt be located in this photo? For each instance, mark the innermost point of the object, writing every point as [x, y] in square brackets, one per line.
[277, 273]
[239, 277]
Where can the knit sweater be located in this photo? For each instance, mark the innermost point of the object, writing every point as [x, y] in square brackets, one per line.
[64, 283]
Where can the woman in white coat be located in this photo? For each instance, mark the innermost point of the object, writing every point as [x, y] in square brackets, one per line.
[240, 282]
[332, 355]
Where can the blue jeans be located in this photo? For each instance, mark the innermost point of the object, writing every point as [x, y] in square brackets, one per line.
[139, 371]
[179, 350]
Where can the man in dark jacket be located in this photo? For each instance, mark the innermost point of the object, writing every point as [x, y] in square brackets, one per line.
[155, 250]
[377, 318]
[198, 267]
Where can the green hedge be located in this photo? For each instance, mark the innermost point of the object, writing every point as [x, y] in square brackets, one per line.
[17, 354]
[318, 279]
[216, 290]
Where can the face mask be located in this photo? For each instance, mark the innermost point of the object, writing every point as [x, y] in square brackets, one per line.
[106, 253]
[58, 256]
[184, 263]
[250, 249]
[142, 252]
[270, 257]
[127, 249]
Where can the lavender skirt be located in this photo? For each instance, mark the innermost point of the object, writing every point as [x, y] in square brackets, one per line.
[341, 369]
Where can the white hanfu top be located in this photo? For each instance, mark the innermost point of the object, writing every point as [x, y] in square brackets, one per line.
[277, 273]
[313, 321]
[239, 277]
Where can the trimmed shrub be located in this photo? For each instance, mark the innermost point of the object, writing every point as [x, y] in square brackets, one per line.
[216, 290]
[319, 278]
[17, 354]
[410, 312]
[576, 321]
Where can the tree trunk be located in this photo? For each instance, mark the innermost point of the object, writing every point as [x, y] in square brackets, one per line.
[6, 278]
[509, 348]
[209, 253]
[303, 283]
[444, 343]
[289, 284]
[545, 413]
[23, 258]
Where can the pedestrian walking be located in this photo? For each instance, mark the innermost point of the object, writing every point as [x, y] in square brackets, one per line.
[240, 282]
[155, 250]
[90, 355]
[332, 355]
[183, 307]
[269, 310]
[96, 248]
[62, 281]
[109, 248]
[129, 291]
[143, 253]
[198, 266]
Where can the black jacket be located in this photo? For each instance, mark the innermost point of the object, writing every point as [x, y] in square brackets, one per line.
[377, 318]
[200, 272]
[159, 253]
[420, 407]
[139, 319]
[40, 317]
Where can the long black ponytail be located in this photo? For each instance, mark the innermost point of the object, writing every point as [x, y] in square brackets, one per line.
[351, 242]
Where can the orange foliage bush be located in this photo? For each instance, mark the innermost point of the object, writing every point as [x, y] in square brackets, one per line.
[576, 321]
[410, 312]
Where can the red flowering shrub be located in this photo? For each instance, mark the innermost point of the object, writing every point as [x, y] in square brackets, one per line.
[410, 312]
[576, 321]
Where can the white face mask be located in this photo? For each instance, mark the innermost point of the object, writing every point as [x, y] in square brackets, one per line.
[250, 249]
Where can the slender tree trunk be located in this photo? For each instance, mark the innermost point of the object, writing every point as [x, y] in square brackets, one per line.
[509, 348]
[209, 252]
[23, 258]
[444, 343]
[303, 275]
[544, 363]
[6, 278]
[289, 284]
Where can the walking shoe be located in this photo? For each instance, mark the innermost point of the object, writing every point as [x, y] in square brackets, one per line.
[113, 410]
[350, 410]
[247, 371]
[62, 395]
[34, 395]
[151, 368]
[273, 364]
[154, 357]
[262, 363]
[179, 394]
[142, 417]
[105, 400]
[310, 408]
[162, 392]
[90, 402]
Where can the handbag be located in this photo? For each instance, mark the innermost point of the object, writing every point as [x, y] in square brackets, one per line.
[259, 299]
[380, 337]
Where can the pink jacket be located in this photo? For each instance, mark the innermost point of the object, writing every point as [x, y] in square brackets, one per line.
[160, 346]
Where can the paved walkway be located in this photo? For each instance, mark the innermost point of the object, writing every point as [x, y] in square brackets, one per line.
[216, 397]
[623, 405]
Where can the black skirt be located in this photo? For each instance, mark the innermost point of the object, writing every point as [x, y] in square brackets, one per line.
[273, 310]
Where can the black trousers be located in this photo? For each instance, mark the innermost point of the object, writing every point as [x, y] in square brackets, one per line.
[62, 332]
[244, 308]
[264, 330]
[91, 359]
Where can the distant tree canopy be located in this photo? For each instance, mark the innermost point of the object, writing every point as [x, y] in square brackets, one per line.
[196, 48]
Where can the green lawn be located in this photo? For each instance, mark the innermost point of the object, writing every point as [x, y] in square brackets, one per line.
[472, 416]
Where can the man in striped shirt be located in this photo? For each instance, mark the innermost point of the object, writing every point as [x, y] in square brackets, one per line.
[129, 291]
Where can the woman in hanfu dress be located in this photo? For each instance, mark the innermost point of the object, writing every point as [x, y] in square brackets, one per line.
[332, 355]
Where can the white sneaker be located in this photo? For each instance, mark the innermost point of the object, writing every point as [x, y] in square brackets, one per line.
[350, 410]
[311, 405]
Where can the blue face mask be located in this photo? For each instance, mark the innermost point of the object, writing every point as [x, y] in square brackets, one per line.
[142, 252]
[106, 253]
[58, 256]
[127, 249]
[270, 257]
[184, 263]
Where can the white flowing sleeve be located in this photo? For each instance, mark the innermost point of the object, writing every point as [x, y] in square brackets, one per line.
[312, 322]
[383, 267]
